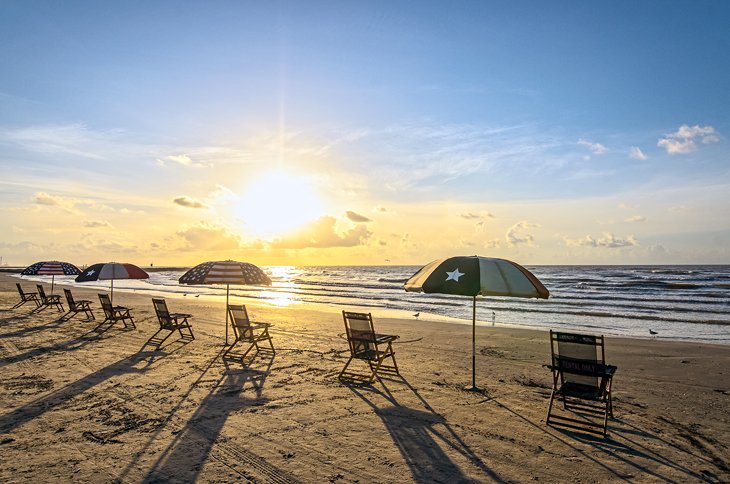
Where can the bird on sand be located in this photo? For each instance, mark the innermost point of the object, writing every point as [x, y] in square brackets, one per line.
[651, 331]
[416, 315]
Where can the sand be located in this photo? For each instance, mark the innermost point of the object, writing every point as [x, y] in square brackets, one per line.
[79, 406]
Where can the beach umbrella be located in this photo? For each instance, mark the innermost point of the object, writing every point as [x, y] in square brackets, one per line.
[109, 271]
[51, 268]
[476, 276]
[226, 272]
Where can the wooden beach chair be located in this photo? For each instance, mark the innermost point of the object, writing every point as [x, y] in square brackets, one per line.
[75, 307]
[581, 377]
[170, 322]
[368, 346]
[113, 314]
[48, 301]
[247, 332]
[26, 297]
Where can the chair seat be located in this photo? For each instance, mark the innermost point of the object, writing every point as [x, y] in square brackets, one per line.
[580, 390]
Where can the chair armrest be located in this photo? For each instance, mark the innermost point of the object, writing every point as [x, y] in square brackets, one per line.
[385, 338]
[260, 325]
[180, 315]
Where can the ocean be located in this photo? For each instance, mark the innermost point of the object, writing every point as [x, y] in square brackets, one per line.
[689, 303]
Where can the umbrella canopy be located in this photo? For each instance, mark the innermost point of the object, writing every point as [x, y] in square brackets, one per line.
[108, 271]
[476, 276]
[51, 268]
[225, 272]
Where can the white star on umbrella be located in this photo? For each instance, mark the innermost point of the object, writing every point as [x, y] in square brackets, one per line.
[90, 273]
[454, 275]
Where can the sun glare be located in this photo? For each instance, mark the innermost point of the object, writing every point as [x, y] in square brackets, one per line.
[277, 203]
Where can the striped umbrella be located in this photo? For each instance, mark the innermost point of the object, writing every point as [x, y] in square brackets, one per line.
[51, 268]
[226, 272]
[476, 276]
[108, 271]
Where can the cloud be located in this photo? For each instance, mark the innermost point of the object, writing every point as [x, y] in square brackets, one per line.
[183, 160]
[96, 224]
[48, 200]
[381, 209]
[205, 236]
[678, 208]
[636, 218]
[682, 141]
[516, 235]
[476, 216]
[636, 154]
[43, 198]
[596, 148]
[189, 202]
[323, 234]
[356, 217]
[72, 139]
[608, 241]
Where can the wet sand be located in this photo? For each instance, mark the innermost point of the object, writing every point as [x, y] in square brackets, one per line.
[89, 407]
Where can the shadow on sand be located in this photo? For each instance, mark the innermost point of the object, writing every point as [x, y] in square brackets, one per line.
[239, 387]
[421, 436]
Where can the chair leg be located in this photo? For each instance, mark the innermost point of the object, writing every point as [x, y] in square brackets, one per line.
[345, 368]
[225, 353]
[550, 406]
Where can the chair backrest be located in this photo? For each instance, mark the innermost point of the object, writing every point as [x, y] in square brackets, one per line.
[69, 298]
[578, 357]
[20, 290]
[106, 305]
[240, 321]
[163, 315]
[41, 292]
[360, 333]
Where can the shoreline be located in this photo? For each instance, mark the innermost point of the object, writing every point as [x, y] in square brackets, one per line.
[390, 313]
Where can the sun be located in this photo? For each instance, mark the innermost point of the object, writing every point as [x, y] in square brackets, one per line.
[278, 202]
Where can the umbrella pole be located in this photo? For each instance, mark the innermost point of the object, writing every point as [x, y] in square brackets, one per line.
[53, 278]
[111, 299]
[227, 287]
[474, 345]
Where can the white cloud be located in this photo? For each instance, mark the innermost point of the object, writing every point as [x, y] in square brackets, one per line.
[636, 218]
[636, 154]
[682, 141]
[516, 234]
[608, 241]
[596, 148]
[183, 160]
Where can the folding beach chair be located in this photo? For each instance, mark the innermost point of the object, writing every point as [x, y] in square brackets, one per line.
[580, 373]
[48, 301]
[75, 307]
[26, 297]
[112, 314]
[170, 322]
[247, 332]
[368, 346]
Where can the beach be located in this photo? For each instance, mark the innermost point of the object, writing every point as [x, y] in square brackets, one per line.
[87, 407]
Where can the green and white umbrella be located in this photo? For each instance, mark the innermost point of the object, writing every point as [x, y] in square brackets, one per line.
[476, 276]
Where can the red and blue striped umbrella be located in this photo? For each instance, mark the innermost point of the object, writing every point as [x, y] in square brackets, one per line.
[108, 271]
[51, 268]
[226, 272]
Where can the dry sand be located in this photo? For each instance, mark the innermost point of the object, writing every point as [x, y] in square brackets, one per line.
[78, 406]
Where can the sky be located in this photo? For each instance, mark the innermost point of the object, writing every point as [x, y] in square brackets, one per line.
[358, 133]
